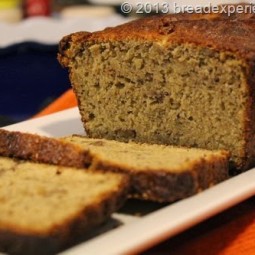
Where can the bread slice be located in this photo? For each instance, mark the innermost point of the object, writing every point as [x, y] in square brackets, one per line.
[44, 208]
[168, 81]
[158, 173]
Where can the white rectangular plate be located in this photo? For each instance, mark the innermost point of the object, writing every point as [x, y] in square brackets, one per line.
[127, 233]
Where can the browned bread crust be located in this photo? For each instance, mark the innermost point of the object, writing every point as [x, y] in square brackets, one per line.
[19, 242]
[42, 149]
[59, 234]
[235, 36]
[161, 185]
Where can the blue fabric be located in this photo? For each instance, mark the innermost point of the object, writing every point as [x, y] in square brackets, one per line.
[30, 78]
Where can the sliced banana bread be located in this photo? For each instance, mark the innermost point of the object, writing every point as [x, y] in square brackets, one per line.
[163, 80]
[159, 173]
[44, 208]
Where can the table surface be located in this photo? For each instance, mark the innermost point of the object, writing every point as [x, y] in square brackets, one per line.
[231, 232]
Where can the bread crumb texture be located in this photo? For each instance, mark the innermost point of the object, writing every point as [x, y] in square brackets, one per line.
[58, 193]
[179, 95]
[158, 173]
[143, 157]
[47, 202]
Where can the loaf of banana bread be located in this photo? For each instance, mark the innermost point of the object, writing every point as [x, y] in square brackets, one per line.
[158, 173]
[46, 208]
[168, 81]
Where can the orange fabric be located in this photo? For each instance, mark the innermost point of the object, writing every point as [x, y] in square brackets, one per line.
[65, 101]
[229, 233]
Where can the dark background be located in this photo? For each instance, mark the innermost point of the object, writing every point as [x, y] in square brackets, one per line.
[30, 79]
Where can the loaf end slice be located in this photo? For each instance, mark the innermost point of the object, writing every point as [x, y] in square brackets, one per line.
[45, 208]
[42, 149]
